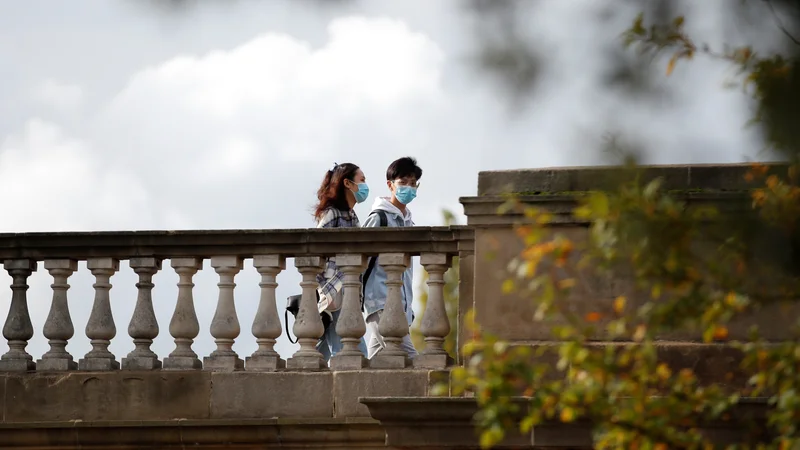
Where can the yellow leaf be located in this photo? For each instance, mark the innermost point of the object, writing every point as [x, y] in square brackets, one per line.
[508, 286]
[567, 415]
[566, 283]
[663, 371]
[639, 334]
[671, 65]
[619, 304]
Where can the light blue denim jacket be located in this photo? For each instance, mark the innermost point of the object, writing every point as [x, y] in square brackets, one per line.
[375, 289]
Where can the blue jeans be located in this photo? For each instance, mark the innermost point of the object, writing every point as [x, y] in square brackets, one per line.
[330, 343]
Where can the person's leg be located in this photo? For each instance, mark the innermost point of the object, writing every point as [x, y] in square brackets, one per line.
[334, 341]
[362, 346]
[324, 348]
[408, 346]
[375, 338]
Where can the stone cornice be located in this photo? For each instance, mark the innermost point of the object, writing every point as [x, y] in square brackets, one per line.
[243, 243]
[483, 211]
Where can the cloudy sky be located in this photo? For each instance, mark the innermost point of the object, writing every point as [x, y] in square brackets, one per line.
[118, 115]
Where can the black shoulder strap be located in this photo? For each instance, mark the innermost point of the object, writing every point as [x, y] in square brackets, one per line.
[286, 322]
[371, 265]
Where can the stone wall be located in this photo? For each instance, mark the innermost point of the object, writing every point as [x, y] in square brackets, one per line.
[511, 316]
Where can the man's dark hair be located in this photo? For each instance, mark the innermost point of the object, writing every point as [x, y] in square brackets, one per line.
[402, 168]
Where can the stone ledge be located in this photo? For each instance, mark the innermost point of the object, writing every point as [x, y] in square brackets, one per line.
[241, 243]
[247, 434]
[695, 177]
[184, 396]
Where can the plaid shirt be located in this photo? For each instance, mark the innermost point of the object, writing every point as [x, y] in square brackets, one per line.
[330, 280]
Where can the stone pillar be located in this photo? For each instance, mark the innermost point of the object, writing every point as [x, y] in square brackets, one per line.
[435, 323]
[350, 326]
[143, 327]
[101, 329]
[58, 327]
[394, 325]
[308, 327]
[225, 324]
[18, 329]
[267, 323]
[184, 326]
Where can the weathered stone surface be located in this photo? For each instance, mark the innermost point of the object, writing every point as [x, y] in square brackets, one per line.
[271, 394]
[348, 386]
[249, 434]
[718, 177]
[106, 396]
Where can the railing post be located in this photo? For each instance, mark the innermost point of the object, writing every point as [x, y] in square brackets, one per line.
[394, 324]
[225, 325]
[267, 323]
[100, 328]
[18, 329]
[435, 324]
[350, 325]
[143, 327]
[184, 326]
[308, 327]
[58, 328]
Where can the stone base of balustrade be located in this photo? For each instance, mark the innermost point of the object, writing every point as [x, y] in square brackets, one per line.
[264, 363]
[226, 363]
[140, 363]
[349, 362]
[17, 365]
[55, 365]
[306, 362]
[434, 361]
[182, 363]
[391, 361]
[98, 364]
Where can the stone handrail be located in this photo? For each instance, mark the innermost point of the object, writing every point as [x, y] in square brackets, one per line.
[186, 250]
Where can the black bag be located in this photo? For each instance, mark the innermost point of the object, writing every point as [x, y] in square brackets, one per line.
[293, 306]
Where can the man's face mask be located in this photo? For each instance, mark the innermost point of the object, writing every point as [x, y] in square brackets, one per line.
[405, 191]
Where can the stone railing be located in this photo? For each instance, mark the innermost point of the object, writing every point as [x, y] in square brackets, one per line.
[186, 250]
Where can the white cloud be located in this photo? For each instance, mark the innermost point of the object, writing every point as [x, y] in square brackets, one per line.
[63, 97]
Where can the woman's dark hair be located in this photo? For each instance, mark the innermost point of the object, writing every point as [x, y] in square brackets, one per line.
[331, 192]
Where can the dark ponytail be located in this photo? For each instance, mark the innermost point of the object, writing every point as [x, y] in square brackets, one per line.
[332, 192]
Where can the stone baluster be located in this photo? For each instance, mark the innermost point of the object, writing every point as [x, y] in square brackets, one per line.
[58, 327]
[435, 323]
[394, 324]
[350, 326]
[184, 326]
[143, 327]
[225, 324]
[308, 326]
[267, 323]
[18, 328]
[100, 328]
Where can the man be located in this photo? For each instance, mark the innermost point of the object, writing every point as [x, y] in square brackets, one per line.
[402, 178]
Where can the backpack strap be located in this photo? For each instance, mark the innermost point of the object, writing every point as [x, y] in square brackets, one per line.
[371, 265]
[286, 321]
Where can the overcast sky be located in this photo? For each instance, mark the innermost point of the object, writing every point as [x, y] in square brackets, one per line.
[119, 116]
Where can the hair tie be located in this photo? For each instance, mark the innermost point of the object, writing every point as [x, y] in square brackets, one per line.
[335, 165]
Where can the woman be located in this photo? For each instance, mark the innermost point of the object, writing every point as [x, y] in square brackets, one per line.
[342, 187]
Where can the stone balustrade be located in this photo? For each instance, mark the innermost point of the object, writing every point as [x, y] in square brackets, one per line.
[186, 251]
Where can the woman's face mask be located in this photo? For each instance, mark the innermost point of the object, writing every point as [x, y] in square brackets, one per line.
[361, 193]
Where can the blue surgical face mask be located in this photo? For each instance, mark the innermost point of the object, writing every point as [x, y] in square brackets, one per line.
[405, 194]
[362, 193]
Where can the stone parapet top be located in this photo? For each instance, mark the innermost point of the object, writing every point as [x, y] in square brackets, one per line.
[569, 180]
[240, 243]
